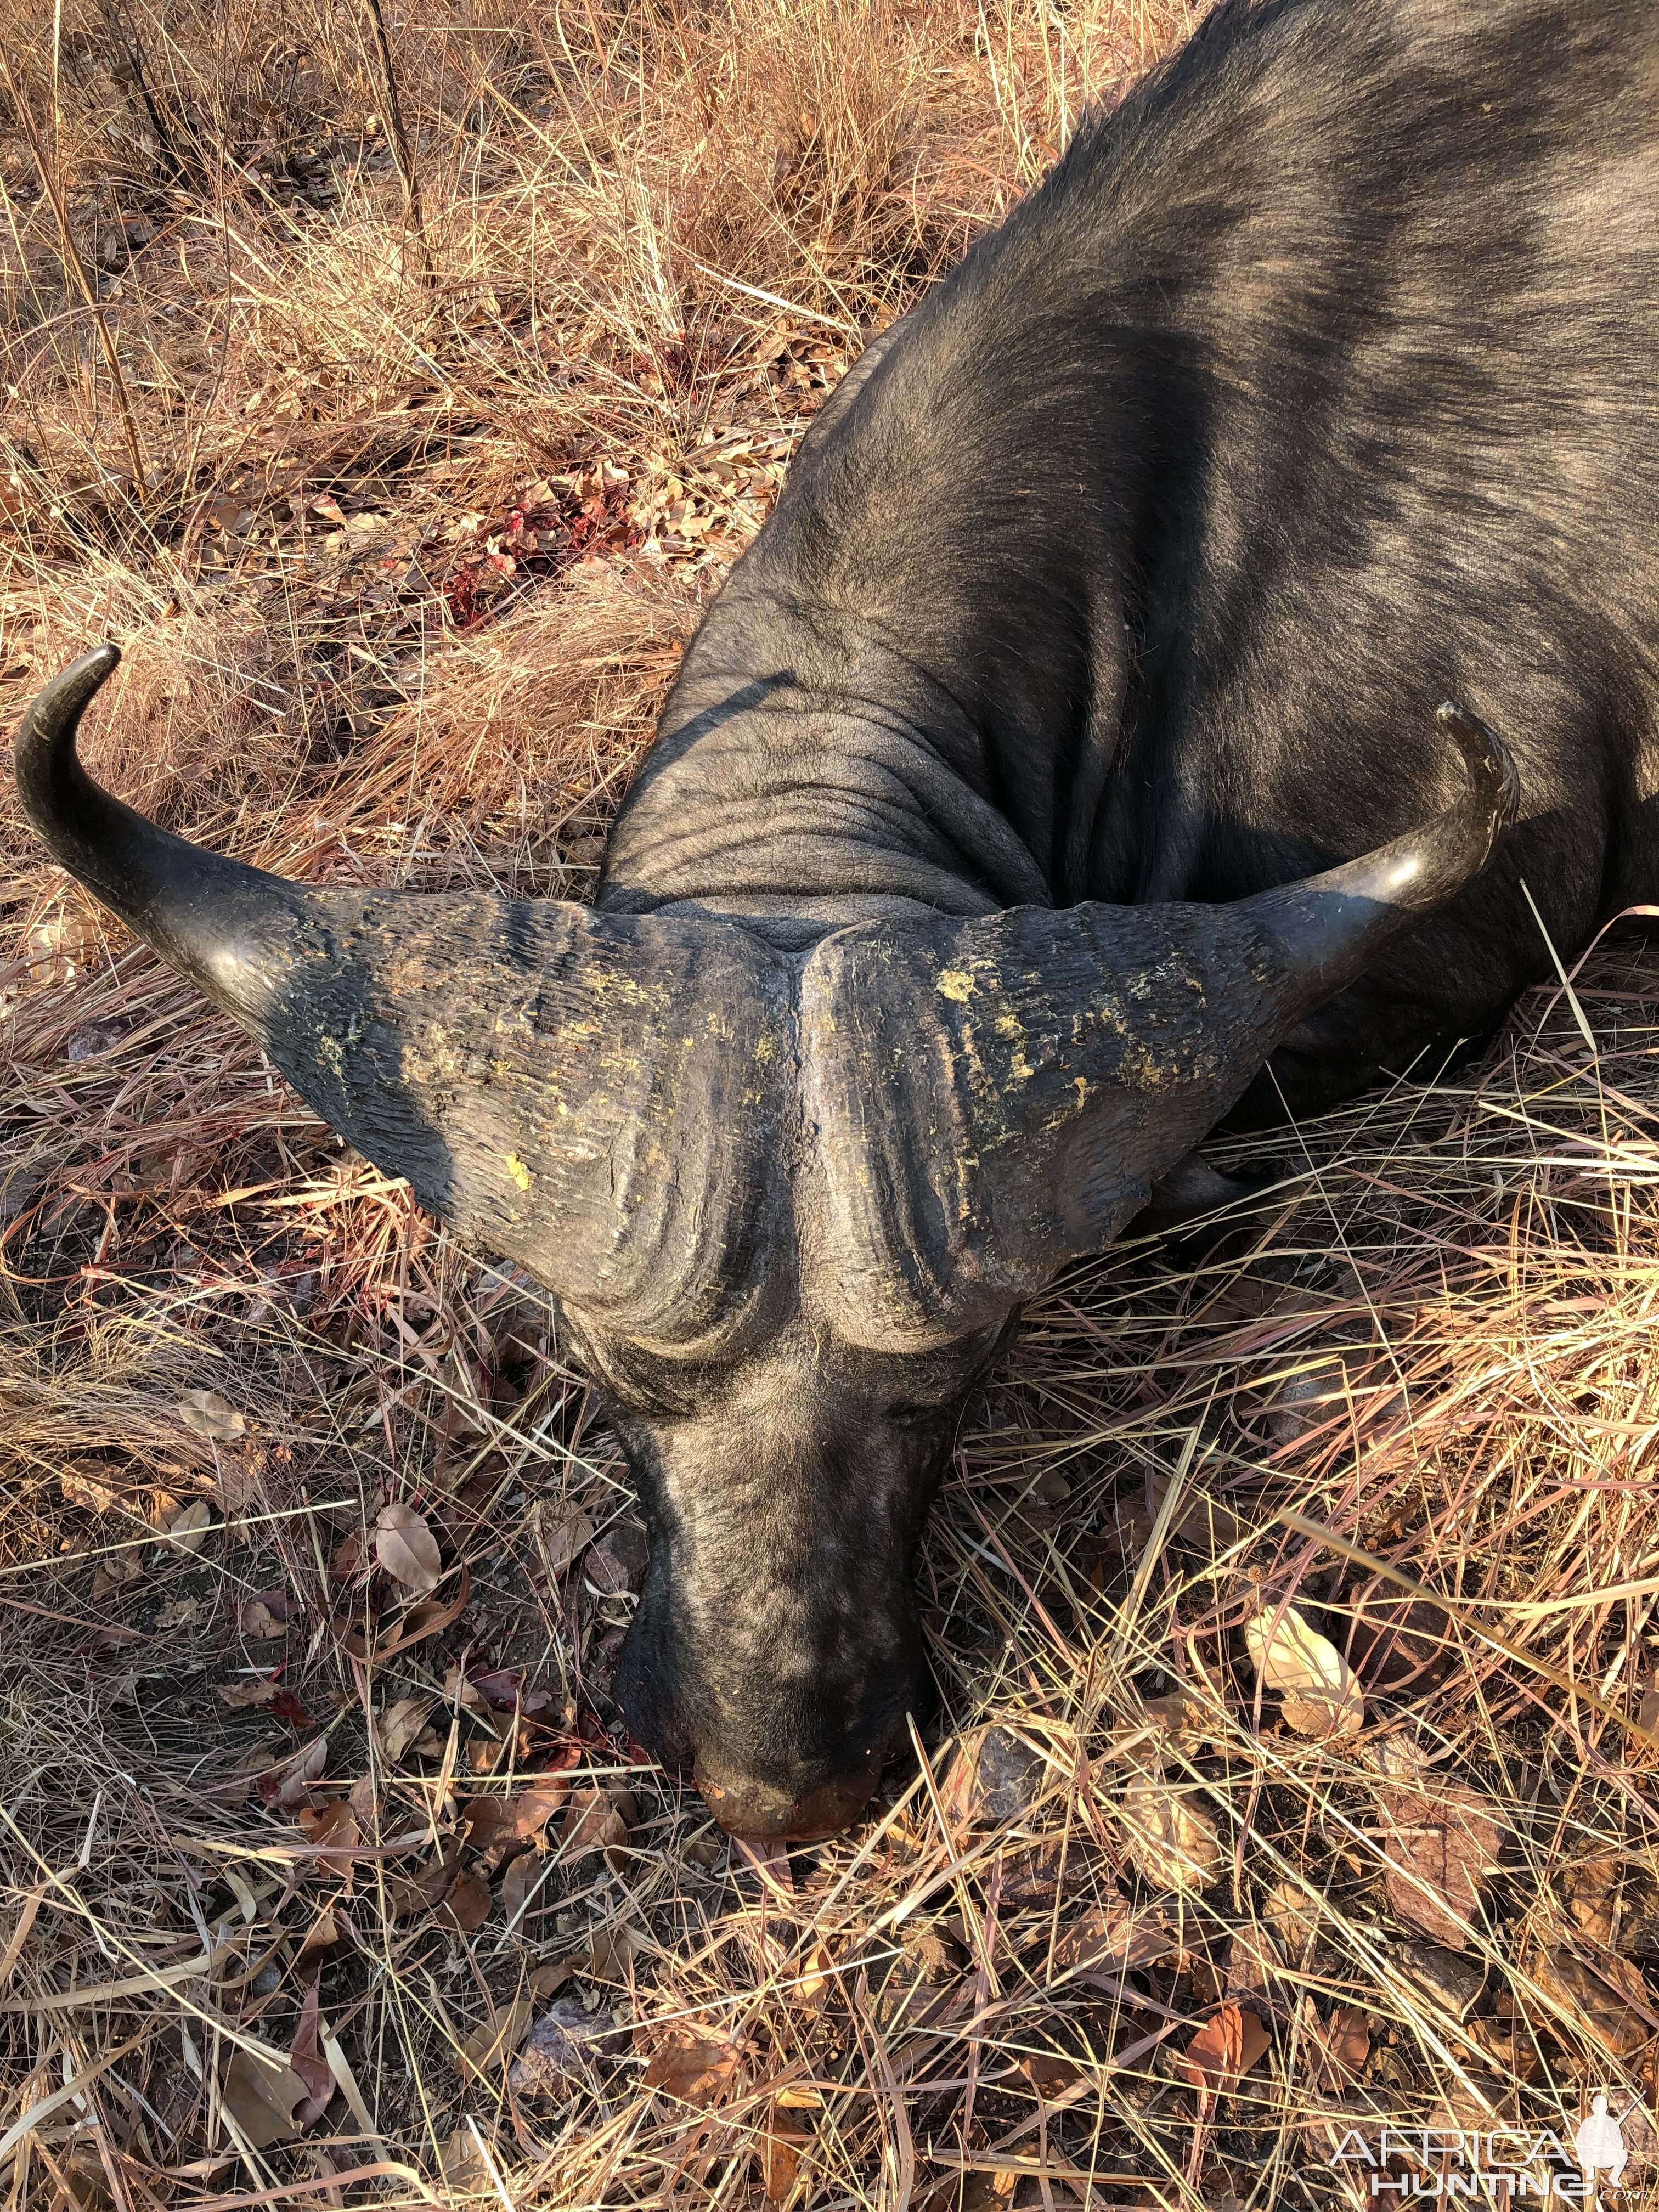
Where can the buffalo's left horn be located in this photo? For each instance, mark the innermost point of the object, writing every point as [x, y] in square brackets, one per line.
[1328, 928]
[592, 1094]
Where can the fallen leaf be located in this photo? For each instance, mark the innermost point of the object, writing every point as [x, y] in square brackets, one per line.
[466, 1905]
[1397, 1643]
[610, 1955]
[601, 1821]
[308, 2062]
[81, 1486]
[559, 1537]
[291, 1783]
[1171, 1838]
[780, 2149]
[406, 1547]
[1254, 1962]
[498, 1826]
[324, 1932]
[617, 1561]
[263, 2100]
[334, 1825]
[1318, 1693]
[694, 2068]
[545, 1979]
[1292, 1916]
[562, 2049]
[1180, 1715]
[1048, 2072]
[402, 1726]
[1224, 2050]
[259, 1692]
[520, 1882]
[190, 1531]
[421, 1621]
[493, 2043]
[1115, 1941]
[1614, 1904]
[122, 1571]
[1440, 1849]
[1337, 2048]
[207, 1414]
[1610, 2001]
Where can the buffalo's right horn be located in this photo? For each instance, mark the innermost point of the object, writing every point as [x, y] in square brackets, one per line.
[593, 1095]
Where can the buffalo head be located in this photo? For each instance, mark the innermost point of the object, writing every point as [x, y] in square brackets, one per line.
[790, 1206]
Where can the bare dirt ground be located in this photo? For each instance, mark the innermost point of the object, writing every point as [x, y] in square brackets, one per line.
[399, 444]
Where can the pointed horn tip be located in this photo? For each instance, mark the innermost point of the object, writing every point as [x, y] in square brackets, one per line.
[1491, 765]
[43, 753]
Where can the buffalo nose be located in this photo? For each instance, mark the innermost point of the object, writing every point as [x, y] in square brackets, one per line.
[752, 1809]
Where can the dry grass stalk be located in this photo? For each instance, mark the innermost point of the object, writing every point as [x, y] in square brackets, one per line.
[401, 612]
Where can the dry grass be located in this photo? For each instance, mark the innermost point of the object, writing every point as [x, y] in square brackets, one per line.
[410, 543]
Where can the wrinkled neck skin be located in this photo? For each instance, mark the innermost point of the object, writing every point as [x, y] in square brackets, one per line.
[794, 807]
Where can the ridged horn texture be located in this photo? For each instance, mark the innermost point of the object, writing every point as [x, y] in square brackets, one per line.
[996, 1097]
[596, 1097]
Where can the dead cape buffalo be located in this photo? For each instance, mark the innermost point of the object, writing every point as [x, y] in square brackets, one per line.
[1000, 830]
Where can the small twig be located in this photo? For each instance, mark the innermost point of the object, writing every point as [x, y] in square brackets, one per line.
[76, 270]
[402, 153]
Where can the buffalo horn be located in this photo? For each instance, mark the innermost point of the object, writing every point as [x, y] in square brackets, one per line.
[593, 1095]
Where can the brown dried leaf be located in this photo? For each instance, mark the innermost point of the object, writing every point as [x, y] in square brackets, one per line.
[780, 2149]
[601, 1821]
[559, 1538]
[406, 1547]
[296, 1776]
[403, 1726]
[467, 1907]
[994, 1779]
[1440, 1848]
[494, 2042]
[191, 1528]
[1614, 1904]
[1319, 1695]
[610, 1955]
[407, 1894]
[695, 2069]
[263, 2100]
[308, 2062]
[1337, 2048]
[498, 1826]
[82, 1485]
[1048, 2072]
[519, 1883]
[1170, 1837]
[207, 1414]
[562, 2048]
[257, 1692]
[548, 1978]
[1610, 2001]
[1224, 2050]
[1115, 1941]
